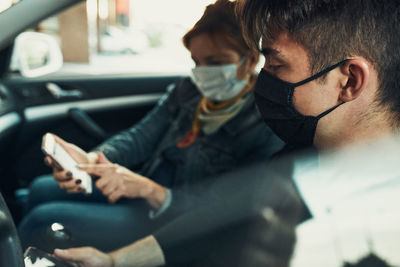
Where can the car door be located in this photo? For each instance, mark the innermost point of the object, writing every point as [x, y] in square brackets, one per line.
[101, 107]
[106, 105]
[83, 107]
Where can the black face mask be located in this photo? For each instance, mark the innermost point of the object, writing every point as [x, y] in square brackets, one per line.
[274, 99]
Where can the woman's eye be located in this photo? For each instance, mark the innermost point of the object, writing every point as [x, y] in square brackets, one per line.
[215, 63]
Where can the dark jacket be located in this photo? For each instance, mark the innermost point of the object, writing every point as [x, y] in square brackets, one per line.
[244, 218]
[152, 141]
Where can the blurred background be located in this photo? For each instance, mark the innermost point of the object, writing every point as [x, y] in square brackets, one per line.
[123, 36]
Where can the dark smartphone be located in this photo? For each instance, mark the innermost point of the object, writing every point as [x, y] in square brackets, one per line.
[34, 257]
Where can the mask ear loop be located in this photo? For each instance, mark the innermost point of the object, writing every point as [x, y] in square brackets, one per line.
[316, 76]
[319, 74]
[323, 114]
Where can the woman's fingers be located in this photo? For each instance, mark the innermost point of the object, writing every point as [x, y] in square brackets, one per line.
[97, 169]
[115, 196]
[109, 188]
[49, 161]
[62, 176]
[101, 158]
[78, 189]
[59, 140]
[103, 181]
[71, 185]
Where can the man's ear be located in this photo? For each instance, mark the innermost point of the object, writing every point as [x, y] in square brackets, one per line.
[356, 72]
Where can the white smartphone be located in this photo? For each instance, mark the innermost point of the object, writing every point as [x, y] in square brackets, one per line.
[57, 152]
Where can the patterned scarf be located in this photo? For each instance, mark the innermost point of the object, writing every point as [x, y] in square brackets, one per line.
[211, 116]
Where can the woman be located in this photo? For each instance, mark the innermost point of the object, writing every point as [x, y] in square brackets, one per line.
[203, 126]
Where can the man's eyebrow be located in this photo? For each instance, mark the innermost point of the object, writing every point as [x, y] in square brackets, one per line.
[270, 51]
[276, 54]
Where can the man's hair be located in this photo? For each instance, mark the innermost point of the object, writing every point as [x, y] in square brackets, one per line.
[219, 21]
[333, 30]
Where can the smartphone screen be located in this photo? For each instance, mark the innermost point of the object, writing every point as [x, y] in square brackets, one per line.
[57, 152]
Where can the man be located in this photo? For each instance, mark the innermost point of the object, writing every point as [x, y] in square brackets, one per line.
[330, 80]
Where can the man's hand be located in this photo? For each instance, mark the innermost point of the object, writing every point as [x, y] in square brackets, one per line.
[145, 252]
[64, 177]
[85, 257]
[116, 182]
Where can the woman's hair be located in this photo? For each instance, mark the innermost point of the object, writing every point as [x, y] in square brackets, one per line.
[219, 21]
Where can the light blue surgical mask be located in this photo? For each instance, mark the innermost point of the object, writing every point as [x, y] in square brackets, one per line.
[218, 83]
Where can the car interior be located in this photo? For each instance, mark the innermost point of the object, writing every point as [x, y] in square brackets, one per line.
[86, 109]
[83, 110]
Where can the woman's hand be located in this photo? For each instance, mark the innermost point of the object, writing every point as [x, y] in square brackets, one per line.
[116, 182]
[85, 257]
[64, 177]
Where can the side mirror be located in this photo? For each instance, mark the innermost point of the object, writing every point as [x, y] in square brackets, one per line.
[36, 54]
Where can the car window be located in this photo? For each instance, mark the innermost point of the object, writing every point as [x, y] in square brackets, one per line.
[6, 4]
[123, 37]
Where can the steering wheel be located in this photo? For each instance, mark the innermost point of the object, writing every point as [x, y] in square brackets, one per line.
[10, 247]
